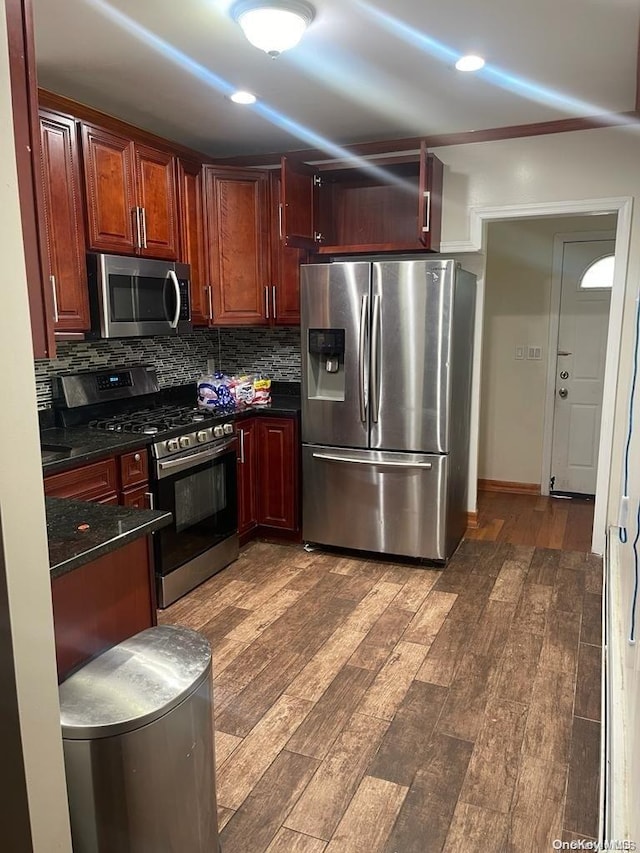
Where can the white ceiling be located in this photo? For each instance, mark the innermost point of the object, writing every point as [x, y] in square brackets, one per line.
[356, 76]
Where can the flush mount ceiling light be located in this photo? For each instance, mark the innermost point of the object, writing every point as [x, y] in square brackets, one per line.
[273, 26]
[241, 97]
[471, 62]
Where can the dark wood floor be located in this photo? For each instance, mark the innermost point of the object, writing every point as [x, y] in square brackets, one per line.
[365, 706]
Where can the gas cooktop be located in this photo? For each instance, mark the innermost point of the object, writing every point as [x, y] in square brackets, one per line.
[155, 420]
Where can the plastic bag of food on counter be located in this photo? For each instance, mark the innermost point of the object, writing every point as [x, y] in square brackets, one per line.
[214, 393]
[242, 390]
[262, 391]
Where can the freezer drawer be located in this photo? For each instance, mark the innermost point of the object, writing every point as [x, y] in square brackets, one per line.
[393, 503]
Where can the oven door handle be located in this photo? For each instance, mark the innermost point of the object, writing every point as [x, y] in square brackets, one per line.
[194, 459]
[176, 285]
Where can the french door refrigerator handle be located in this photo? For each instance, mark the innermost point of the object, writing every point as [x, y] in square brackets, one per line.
[361, 358]
[328, 458]
[375, 358]
[176, 287]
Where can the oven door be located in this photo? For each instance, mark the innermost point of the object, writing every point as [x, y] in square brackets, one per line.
[199, 489]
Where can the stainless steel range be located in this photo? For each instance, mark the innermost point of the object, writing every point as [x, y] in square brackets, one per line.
[193, 471]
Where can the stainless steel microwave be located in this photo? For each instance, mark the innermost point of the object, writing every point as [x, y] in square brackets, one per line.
[134, 297]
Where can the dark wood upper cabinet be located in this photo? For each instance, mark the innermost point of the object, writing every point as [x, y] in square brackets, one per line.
[64, 222]
[156, 193]
[192, 238]
[285, 265]
[387, 205]
[131, 197]
[237, 228]
[24, 103]
[113, 224]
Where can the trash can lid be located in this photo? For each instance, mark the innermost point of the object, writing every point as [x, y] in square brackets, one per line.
[133, 683]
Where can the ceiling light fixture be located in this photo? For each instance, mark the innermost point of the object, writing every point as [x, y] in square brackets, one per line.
[242, 97]
[273, 26]
[470, 63]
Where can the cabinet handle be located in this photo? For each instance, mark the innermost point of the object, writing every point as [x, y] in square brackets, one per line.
[273, 301]
[242, 447]
[280, 219]
[266, 302]
[136, 219]
[56, 316]
[143, 217]
[137, 457]
[209, 294]
[151, 500]
[427, 225]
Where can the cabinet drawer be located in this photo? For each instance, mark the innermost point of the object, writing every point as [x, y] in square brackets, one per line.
[136, 497]
[134, 468]
[90, 482]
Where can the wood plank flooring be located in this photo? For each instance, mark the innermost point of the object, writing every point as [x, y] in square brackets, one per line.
[364, 706]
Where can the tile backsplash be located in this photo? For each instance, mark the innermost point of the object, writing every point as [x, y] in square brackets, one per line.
[179, 360]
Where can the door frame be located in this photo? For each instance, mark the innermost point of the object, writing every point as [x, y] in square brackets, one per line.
[559, 242]
[479, 221]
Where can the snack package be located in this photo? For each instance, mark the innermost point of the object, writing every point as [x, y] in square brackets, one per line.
[214, 393]
[242, 390]
[262, 391]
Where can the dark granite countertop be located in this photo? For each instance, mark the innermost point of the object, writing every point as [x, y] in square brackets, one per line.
[110, 527]
[84, 445]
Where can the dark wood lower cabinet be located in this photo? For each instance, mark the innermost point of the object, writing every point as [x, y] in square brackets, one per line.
[247, 478]
[102, 603]
[268, 478]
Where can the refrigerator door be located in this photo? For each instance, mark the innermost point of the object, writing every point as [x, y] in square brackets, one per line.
[334, 309]
[394, 503]
[411, 310]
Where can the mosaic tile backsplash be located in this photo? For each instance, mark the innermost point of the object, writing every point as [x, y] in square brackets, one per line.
[179, 360]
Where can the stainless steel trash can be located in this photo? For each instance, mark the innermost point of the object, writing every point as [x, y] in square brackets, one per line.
[138, 747]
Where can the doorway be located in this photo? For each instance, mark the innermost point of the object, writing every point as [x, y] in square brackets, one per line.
[519, 354]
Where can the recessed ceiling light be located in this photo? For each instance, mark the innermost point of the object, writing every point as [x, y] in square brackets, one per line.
[243, 98]
[470, 63]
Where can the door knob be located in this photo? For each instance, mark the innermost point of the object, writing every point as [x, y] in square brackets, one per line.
[562, 392]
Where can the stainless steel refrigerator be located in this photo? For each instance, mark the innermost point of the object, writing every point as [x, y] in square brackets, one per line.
[386, 384]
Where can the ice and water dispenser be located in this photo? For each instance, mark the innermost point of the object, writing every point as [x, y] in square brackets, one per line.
[325, 354]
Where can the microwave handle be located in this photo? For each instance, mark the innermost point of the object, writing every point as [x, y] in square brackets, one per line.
[176, 284]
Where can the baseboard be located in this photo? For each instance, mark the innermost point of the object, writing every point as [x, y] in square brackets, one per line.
[509, 487]
[472, 519]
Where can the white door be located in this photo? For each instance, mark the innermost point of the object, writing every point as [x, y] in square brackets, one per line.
[587, 274]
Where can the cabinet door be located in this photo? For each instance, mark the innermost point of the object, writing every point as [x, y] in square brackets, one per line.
[277, 473]
[192, 239]
[138, 498]
[156, 195]
[298, 205]
[247, 476]
[237, 224]
[430, 203]
[24, 106]
[110, 186]
[64, 222]
[97, 481]
[285, 266]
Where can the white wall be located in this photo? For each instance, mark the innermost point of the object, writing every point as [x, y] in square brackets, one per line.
[26, 617]
[519, 266]
[594, 164]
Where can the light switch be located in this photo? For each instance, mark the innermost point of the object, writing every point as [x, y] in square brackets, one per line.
[519, 353]
[534, 353]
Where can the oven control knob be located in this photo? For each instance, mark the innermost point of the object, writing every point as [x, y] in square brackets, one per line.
[185, 441]
[172, 445]
[201, 436]
[218, 431]
[228, 429]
